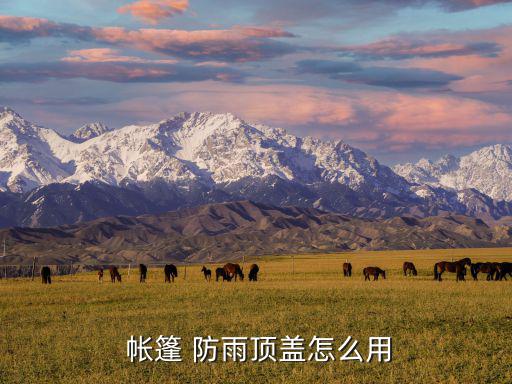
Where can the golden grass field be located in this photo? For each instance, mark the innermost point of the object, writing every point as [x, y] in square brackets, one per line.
[75, 330]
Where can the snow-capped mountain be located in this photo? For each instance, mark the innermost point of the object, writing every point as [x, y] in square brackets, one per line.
[190, 147]
[27, 157]
[488, 170]
[88, 131]
[198, 158]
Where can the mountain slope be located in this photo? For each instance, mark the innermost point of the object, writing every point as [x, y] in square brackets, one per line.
[26, 154]
[227, 231]
[198, 158]
[88, 131]
[488, 170]
[205, 147]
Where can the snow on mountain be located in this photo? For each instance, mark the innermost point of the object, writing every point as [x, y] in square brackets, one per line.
[201, 147]
[488, 170]
[26, 154]
[88, 131]
[198, 158]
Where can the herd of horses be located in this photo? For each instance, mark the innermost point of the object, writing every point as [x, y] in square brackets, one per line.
[230, 271]
[494, 270]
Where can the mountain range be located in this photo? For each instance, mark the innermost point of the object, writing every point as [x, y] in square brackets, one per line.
[191, 159]
[488, 170]
[228, 231]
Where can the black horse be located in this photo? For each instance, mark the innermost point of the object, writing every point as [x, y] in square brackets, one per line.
[253, 272]
[490, 268]
[207, 273]
[503, 269]
[347, 269]
[143, 271]
[170, 272]
[219, 272]
[409, 269]
[114, 274]
[46, 275]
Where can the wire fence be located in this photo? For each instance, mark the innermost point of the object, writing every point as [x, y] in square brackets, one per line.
[34, 270]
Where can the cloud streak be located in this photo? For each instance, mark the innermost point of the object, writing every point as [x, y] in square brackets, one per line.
[377, 76]
[153, 11]
[119, 72]
[237, 44]
[401, 48]
[108, 55]
[299, 11]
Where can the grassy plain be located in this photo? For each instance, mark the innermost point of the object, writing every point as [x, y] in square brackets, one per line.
[75, 330]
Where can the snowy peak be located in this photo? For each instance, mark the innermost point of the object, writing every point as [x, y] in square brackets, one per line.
[6, 112]
[27, 157]
[88, 131]
[202, 147]
[488, 170]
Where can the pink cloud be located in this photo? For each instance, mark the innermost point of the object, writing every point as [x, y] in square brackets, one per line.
[482, 58]
[108, 55]
[481, 73]
[235, 44]
[25, 24]
[377, 120]
[152, 11]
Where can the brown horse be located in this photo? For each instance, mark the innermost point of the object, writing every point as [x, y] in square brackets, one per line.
[46, 275]
[373, 271]
[409, 268]
[207, 273]
[253, 272]
[233, 270]
[143, 272]
[502, 270]
[100, 275]
[114, 274]
[457, 267]
[170, 272]
[347, 269]
[490, 268]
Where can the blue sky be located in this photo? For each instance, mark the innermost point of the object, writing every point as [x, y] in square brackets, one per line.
[399, 79]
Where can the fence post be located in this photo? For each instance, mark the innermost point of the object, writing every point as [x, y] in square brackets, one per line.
[293, 265]
[129, 268]
[185, 273]
[33, 267]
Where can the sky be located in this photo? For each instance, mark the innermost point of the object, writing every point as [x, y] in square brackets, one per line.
[399, 79]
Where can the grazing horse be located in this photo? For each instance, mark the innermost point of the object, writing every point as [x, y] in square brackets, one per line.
[143, 272]
[503, 269]
[207, 273]
[233, 270]
[409, 267]
[219, 272]
[347, 269]
[114, 274]
[46, 275]
[489, 268]
[253, 272]
[170, 272]
[458, 267]
[373, 271]
[100, 275]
